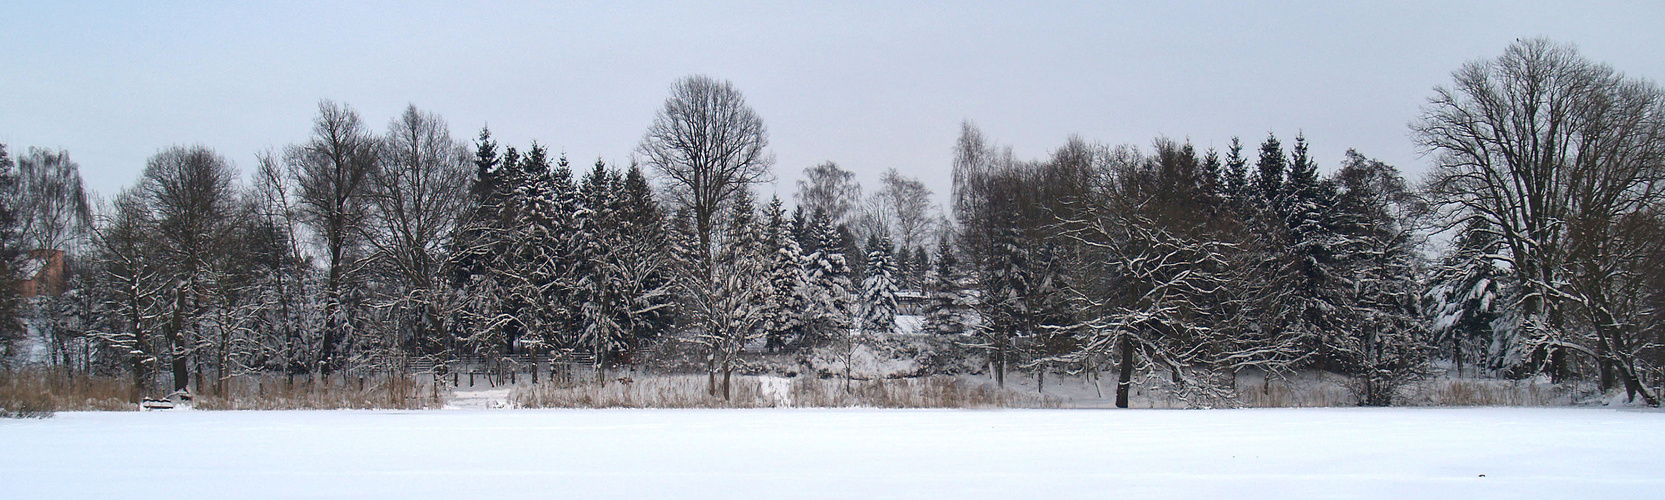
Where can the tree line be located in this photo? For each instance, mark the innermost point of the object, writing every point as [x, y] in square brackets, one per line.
[357, 249]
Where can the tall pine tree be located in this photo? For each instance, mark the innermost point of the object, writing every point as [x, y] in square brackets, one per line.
[878, 291]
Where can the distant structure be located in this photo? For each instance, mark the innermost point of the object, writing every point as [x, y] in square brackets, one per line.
[910, 302]
[42, 273]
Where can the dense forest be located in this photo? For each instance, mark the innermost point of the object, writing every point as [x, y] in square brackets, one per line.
[1532, 248]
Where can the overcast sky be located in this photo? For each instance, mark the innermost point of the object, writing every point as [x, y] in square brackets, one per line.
[869, 85]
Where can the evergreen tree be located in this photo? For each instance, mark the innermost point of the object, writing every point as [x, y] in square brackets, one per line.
[1303, 172]
[1210, 188]
[878, 291]
[854, 257]
[827, 312]
[732, 309]
[805, 230]
[921, 265]
[1382, 335]
[1004, 306]
[11, 254]
[946, 307]
[904, 267]
[1466, 296]
[783, 313]
[601, 282]
[1268, 182]
[1235, 186]
[645, 262]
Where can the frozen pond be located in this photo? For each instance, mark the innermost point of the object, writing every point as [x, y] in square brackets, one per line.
[796, 453]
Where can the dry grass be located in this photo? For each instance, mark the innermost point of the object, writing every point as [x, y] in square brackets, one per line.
[1470, 392]
[923, 392]
[276, 392]
[671, 391]
[689, 391]
[1293, 393]
[1327, 390]
[40, 392]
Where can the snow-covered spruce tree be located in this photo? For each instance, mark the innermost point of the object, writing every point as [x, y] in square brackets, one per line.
[1234, 186]
[1007, 210]
[645, 267]
[947, 304]
[550, 255]
[878, 291]
[921, 267]
[1003, 283]
[904, 276]
[531, 274]
[829, 298]
[1465, 297]
[480, 255]
[1313, 260]
[600, 280]
[788, 282]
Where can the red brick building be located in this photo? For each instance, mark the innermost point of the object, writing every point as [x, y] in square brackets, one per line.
[42, 273]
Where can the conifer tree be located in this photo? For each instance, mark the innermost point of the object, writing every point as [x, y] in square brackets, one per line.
[646, 264]
[1235, 186]
[878, 291]
[827, 313]
[600, 254]
[1382, 337]
[947, 305]
[783, 313]
[1269, 172]
[11, 252]
[1466, 295]
[903, 259]
[921, 267]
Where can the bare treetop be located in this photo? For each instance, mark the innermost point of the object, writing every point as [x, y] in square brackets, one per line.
[708, 144]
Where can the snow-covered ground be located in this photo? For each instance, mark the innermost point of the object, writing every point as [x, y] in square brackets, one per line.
[1267, 453]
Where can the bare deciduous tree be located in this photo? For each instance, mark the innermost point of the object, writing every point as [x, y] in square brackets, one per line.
[709, 144]
[418, 196]
[1553, 152]
[909, 204]
[189, 191]
[829, 192]
[52, 203]
[123, 246]
[332, 174]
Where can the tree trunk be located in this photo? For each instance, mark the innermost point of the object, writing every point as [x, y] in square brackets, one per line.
[1457, 354]
[181, 370]
[999, 366]
[1040, 378]
[1124, 379]
[728, 372]
[710, 379]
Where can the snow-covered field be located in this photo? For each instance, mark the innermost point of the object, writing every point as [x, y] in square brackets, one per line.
[796, 453]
